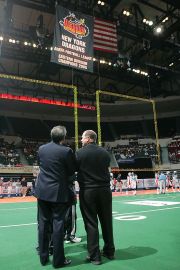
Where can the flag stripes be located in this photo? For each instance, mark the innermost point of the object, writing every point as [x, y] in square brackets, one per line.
[105, 36]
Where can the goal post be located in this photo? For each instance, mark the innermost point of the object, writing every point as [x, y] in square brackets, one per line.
[150, 101]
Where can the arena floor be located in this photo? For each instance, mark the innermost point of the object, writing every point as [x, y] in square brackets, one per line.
[146, 232]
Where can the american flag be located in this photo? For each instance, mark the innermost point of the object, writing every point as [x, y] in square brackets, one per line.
[105, 36]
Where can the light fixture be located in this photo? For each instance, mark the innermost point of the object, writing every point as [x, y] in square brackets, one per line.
[158, 30]
[150, 23]
[126, 13]
[138, 71]
[171, 64]
[165, 19]
[102, 61]
[1, 38]
[101, 3]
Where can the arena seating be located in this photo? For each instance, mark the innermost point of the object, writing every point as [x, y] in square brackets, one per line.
[8, 154]
[174, 150]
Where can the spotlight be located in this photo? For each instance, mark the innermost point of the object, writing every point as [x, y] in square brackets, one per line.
[126, 13]
[150, 23]
[101, 3]
[165, 19]
[102, 61]
[158, 30]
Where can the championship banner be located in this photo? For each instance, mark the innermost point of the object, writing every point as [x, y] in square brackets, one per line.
[73, 40]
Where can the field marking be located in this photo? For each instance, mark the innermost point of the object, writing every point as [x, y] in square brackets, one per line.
[18, 225]
[23, 208]
[147, 211]
[25, 224]
[149, 198]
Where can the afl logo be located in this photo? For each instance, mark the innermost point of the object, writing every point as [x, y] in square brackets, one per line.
[74, 26]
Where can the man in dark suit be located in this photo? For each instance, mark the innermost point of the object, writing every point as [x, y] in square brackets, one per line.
[95, 196]
[57, 164]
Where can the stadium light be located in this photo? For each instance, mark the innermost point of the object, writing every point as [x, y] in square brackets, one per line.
[150, 23]
[158, 30]
[101, 3]
[165, 19]
[126, 13]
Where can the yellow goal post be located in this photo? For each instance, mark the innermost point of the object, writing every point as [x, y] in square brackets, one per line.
[151, 101]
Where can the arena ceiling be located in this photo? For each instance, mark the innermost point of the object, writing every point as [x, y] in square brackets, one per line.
[138, 45]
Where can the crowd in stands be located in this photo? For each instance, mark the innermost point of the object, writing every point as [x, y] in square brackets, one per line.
[30, 148]
[8, 154]
[174, 150]
[135, 150]
[19, 187]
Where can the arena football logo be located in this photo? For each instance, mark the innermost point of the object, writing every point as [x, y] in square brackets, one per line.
[74, 26]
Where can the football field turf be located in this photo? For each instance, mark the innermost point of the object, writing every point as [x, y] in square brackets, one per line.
[146, 234]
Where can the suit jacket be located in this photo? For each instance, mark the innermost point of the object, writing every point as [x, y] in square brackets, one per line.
[57, 164]
[93, 163]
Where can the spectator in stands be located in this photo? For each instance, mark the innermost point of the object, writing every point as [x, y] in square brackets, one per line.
[23, 187]
[95, 196]
[57, 164]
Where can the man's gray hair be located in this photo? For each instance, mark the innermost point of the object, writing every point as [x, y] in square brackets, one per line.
[58, 134]
[91, 134]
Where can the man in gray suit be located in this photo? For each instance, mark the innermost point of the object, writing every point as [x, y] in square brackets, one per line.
[57, 164]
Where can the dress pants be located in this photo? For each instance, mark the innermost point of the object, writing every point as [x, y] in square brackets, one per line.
[97, 203]
[51, 214]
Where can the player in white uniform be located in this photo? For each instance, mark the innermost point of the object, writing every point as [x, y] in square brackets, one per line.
[133, 182]
[175, 181]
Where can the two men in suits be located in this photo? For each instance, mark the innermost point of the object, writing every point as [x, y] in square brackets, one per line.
[57, 164]
[95, 196]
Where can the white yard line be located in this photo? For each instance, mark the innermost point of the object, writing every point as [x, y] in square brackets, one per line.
[12, 209]
[147, 211]
[18, 225]
[25, 224]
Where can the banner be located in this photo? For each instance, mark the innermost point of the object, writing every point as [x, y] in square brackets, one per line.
[73, 40]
